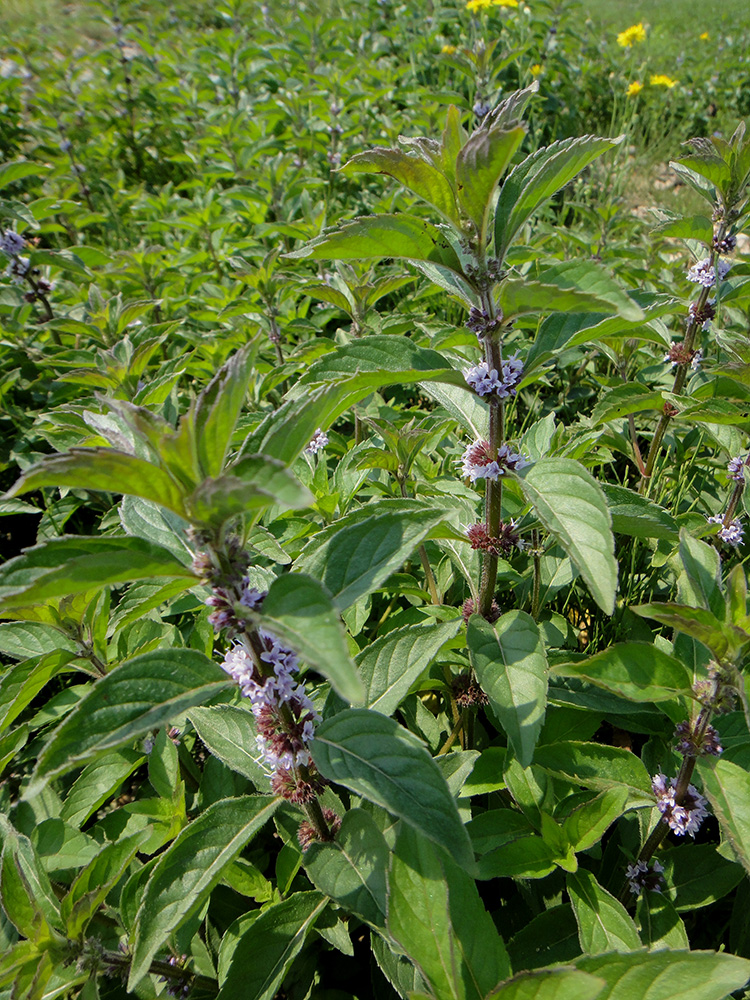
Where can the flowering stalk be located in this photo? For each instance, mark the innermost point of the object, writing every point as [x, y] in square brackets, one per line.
[706, 273]
[264, 670]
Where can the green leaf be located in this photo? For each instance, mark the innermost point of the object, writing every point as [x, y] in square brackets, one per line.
[78, 564]
[587, 823]
[98, 782]
[480, 165]
[572, 507]
[190, 867]
[436, 916]
[21, 683]
[351, 870]
[550, 984]
[298, 610]
[217, 411]
[414, 172]
[390, 665]
[537, 178]
[252, 484]
[511, 667]
[524, 857]
[635, 515]
[17, 170]
[701, 584]
[603, 922]
[25, 889]
[520, 297]
[104, 469]
[632, 397]
[373, 756]
[354, 556]
[727, 787]
[263, 955]
[34, 639]
[659, 924]
[93, 883]
[596, 766]
[387, 360]
[590, 278]
[136, 697]
[696, 875]
[549, 938]
[229, 733]
[720, 637]
[383, 236]
[638, 671]
[667, 975]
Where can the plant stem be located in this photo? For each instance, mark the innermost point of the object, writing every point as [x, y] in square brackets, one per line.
[158, 968]
[494, 488]
[535, 602]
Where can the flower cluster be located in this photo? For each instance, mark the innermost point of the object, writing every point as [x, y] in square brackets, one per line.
[704, 272]
[283, 736]
[732, 533]
[662, 80]
[11, 244]
[486, 382]
[684, 818]
[641, 876]
[496, 545]
[724, 246]
[467, 692]
[704, 314]
[736, 468]
[629, 37]
[678, 354]
[689, 744]
[476, 5]
[634, 89]
[318, 442]
[478, 461]
[480, 322]
[471, 607]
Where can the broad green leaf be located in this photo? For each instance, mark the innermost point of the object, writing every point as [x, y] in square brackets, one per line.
[373, 756]
[590, 278]
[631, 397]
[298, 610]
[229, 733]
[720, 637]
[596, 766]
[550, 984]
[701, 584]
[352, 869]
[252, 484]
[263, 955]
[492, 829]
[22, 682]
[465, 407]
[387, 360]
[659, 924]
[547, 939]
[537, 178]
[187, 871]
[479, 166]
[25, 889]
[436, 916]
[519, 297]
[104, 469]
[637, 516]
[693, 227]
[603, 922]
[415, 173]
[136, 697]
[78, 564]
[390, 665]
[727, 787]
[524, 857]
[33, 639]
[217, 411]
[93, 883]
[638, 671]
[667, 975]
[587, 823]
[98, 782]
[354, 556]
[696, 875]
[511, 667]
[572, 507]
[16, 170]
[383, 236]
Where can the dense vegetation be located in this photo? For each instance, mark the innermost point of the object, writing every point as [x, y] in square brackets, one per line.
[374, 445]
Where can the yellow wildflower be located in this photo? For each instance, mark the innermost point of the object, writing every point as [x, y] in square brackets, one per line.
[505, 3]
[475, 5]
[704, 37]
[634, 89]
[635, 33]
[536, 69]
[661, 80]
[448, 50]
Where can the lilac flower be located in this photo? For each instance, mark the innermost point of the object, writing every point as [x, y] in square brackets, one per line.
[478, 461]
[678, 354]
[725, 246]
[18, 269]
[689, 745]
[640, 876]
[486, 382]
[682, 819]
[318, 442]
[732, 533]
[12, 243]
[704, 315]
[736, 469]
[704, 273]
